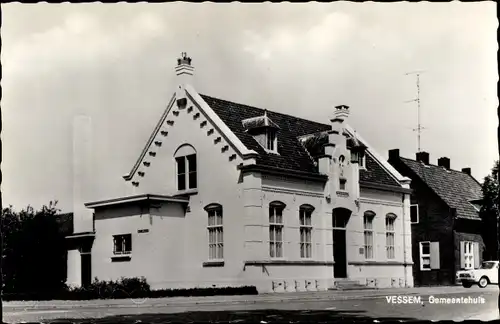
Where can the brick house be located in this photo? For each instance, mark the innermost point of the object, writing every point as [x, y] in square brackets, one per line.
[446, 227]
[225, 194]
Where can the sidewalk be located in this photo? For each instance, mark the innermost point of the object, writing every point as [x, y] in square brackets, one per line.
[273, 298]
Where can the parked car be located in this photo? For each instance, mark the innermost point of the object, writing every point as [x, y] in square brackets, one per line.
[485, 275]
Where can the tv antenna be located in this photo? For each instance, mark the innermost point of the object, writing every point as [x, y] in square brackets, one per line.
[419, 125]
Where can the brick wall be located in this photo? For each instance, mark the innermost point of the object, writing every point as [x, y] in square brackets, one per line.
[435, 225]
[467, 230]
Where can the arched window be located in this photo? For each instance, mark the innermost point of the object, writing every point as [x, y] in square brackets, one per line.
[186, 167]
[215, 232]
[390, 220]
[368, 233]
[276, 229]
[305, 228]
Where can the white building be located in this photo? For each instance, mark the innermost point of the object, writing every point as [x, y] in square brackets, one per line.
[231, 195]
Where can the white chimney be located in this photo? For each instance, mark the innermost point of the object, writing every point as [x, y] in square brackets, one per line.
[82, 161]
[184, 71]
[340, 115]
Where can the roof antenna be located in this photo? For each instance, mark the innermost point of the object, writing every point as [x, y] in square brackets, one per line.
[419, 126]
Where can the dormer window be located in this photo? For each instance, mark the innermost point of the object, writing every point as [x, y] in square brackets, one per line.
[362, 161]
[271, 140]
[357, 151]
[264, 131]
[477, 204]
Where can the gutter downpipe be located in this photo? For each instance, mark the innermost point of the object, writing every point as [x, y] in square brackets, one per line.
[406, 204]
[404, 241]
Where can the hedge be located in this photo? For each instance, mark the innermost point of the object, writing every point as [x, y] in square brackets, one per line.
[126, 288]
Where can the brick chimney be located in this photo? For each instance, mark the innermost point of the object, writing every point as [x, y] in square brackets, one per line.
[444, 162]
[184, 71]
[466, 171]
[423, 157]
[393, 154]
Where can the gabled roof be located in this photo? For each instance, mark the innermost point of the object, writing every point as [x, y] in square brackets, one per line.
[457, 189]
[135, 199]
[228, 118]
[259, 122]
[299, 141]
[209, 114]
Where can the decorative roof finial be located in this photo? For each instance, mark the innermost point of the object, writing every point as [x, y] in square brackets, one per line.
[184, 59]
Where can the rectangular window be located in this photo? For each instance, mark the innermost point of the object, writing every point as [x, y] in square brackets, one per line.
[468, 255]
[389, 237]
[305, 233]
[181, 173]
[275, 232]
[191, 161]
[186, 172]
[425, 255]
[368, 244]
[362, 161]
[271, 139]
[215, 235]
[342, 183]
[122, 244]
[414, 217]
[368, 235]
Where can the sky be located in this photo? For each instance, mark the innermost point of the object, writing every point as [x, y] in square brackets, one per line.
[115, 64]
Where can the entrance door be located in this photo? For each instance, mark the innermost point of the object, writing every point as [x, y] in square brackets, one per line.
[339, 254]
[86, 269]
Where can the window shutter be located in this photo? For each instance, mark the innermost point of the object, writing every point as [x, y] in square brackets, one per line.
[435, 260]
[462, 255]
[475, 246]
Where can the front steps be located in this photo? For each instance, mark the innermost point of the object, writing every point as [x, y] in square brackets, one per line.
[346, 284]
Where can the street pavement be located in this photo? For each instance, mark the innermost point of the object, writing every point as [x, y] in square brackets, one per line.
[308, 306]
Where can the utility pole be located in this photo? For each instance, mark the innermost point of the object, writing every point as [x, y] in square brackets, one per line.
[419, 126]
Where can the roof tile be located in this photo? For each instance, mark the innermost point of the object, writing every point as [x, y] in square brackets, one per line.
[455, 188]
[292, 154]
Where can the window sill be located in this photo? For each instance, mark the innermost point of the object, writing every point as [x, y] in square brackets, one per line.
[289, 262]
[122, 253]
[121, 258]
[187, 192]
[271, 151]
[211, 264]
[342, 193]
[372, 262]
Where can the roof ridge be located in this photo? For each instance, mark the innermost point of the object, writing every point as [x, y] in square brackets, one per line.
[456, 196]
[272, 111]
[437, 166]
